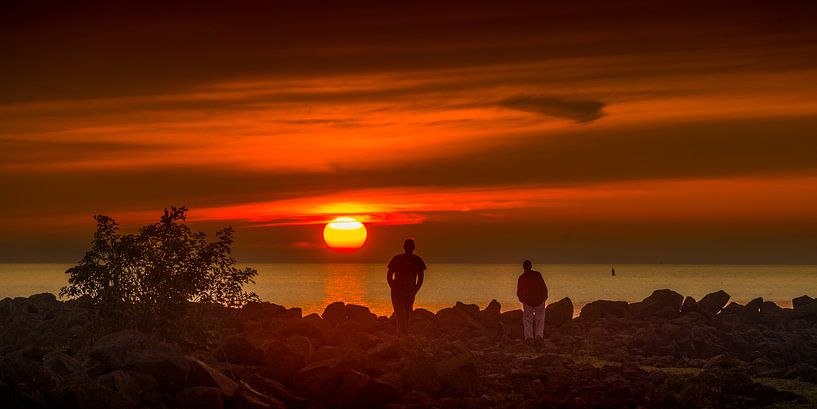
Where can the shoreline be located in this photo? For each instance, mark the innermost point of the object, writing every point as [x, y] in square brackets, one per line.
[665, 351]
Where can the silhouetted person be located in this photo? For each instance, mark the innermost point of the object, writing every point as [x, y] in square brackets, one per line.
[532, 292]
[405, 277]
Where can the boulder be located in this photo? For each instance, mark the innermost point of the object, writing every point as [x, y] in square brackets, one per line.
[604, 309]
[122, 382]
[314, 380]
[559, 312]
[713, 303]
[723, 362]
[733, 309]
[44, 302]
[116, 350]
[358, 390]
[491, 316]
[753, 307]
[661, 303]
[167, 365]
[459, 317]
[277, 390]
[61, 364]
[808, 311]
[423, 314]
[87, 394]
[459, 372]
[770, 307]
[236, 349]
[801, 301]
[512, 323]
[420, 374]
[359, 313]
[135, 351]
[204, 375]
[689, 305]
[262, 310]
[199, 397]
[248, 398]
[470, 309]
[335, 312]
[281, 361]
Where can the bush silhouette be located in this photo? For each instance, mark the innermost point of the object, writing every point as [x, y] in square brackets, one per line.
[159, 270]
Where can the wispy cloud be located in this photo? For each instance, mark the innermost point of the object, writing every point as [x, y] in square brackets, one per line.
[579, 110]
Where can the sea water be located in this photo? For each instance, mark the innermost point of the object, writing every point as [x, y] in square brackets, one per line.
[313, 286]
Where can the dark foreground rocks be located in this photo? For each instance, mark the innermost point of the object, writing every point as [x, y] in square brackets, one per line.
[667, 351]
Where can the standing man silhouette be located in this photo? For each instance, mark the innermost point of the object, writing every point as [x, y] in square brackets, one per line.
[532, 292]
[405, 277]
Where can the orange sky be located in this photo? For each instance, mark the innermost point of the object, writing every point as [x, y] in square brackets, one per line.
[667, 129]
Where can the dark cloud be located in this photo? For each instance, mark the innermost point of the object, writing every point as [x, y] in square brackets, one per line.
[97, 49]
[575, 109]
[588, 156]
[32, 152]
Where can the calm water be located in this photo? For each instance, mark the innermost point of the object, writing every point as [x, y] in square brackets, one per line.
[312, 286]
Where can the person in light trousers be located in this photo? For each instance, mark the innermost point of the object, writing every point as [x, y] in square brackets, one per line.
[532, 292]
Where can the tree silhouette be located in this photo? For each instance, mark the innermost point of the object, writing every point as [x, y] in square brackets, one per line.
[160, 269]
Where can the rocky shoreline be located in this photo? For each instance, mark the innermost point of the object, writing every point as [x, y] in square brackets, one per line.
[666, 351]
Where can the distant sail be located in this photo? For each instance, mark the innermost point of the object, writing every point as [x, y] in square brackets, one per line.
[613, 269]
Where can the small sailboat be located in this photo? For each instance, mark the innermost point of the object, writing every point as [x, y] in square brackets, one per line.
[613, 270]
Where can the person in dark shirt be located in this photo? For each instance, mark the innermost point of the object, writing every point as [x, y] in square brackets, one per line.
[405, 277]
[532, 292]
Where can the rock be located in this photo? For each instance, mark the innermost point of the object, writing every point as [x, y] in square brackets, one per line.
[358, 390]
[387, 351]
[661, 303]
[44, 302]
[262, 310]
[420, 374]
[713, 303]
[335, 312]
[770, 307]
[470, 309]
[808, 311]
[359, 313]
[689, 305]
[248, 398]
[122, 382]
[459, 372]
[559, 312]
[277, 390]
[281, 361]
[723, 362]
[133, 350]
[753, 307]
[29, 398]
[62, 364]
[801, 301]
[199, 397]
[491, 317]
[205, 375]
[733, 309]
[422, 314]
[87, 394]
[512, 324]
[167, 365]
[604, 309]
[237, 349]
[314, 379]
[459, 317]
[116, 350]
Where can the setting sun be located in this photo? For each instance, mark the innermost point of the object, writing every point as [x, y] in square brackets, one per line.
[344, 233]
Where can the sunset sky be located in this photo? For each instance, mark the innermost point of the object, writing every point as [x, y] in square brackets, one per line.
[606, 132]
